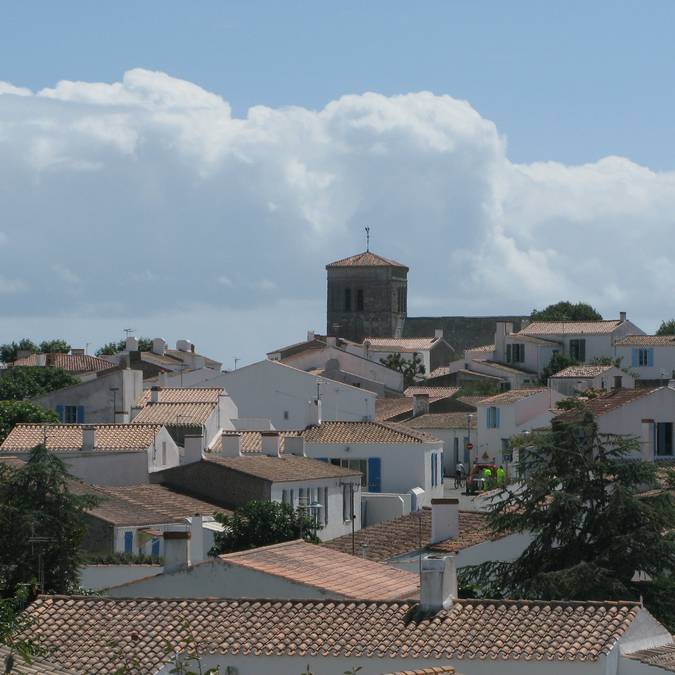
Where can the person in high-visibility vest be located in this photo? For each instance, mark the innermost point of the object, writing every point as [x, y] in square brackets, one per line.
[487, 478]
[501, 476]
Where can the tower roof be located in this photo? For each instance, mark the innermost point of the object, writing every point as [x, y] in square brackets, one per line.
[366, 259]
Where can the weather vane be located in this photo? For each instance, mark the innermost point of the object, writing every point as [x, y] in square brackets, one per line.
[367, 229]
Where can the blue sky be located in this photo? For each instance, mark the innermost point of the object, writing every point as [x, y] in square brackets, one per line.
[190, 167]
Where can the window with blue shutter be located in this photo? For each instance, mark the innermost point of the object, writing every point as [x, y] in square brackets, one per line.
[129, 542]
[80, 414]
[493, 417]
[155, 548]
[650, 357]
[374, 474]
[634, 357]
[60, 412]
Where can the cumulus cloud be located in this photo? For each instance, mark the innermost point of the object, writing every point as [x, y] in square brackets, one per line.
[146, 197]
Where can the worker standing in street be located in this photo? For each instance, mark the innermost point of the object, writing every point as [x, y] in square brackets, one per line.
[501, 477]
[487, 478]
[459, 474]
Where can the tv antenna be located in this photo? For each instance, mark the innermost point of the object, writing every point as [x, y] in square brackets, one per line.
[128, 331]
[40, 541]
[367, 229]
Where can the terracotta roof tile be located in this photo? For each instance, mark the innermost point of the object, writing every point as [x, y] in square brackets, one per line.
[97, 635]
[250, 441]
[452, 420]
[180, 395]
[74, 363]
[582, 371]
[433, 670]
[405, 345]
[661, 657]
[506, 368]
[512, 396]
[432, 392]
[482, 349]
[175, 414]
[365, 259]
[392, 538]
[471, 400]
[646, 341]
[37, 666]
[569, 327]
[615, 399]
[331, 571]
[68, 437]
[364, 432]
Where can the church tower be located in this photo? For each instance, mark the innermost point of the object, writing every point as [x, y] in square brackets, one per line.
[367, 297]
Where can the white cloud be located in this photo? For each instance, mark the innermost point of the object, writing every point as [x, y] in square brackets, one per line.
[7, 88]
[108, 181]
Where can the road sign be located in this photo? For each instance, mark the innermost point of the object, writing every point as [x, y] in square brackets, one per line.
[469, 446]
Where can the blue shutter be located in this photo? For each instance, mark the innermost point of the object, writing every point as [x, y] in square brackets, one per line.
[650, 357]
[374, 474]
[128, 542]
[634, 357]
[79, 414]
[155, 548]
[60, 411]
[496, 418]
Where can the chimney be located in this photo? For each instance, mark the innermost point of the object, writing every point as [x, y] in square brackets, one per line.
[294, 445]
[420, 404]
[647, 440]
[88, 437]
[622, 316]
[41, 360]
[176, 550]
[314, 413]
[131, 344]
[192, 448]
[198, 362]
[270, 443]
[154, 393]
[444, 519]
[184, 346]
[438, 582]
[230, 444]
[438, 333]
[617, 381]
[310, 336]
[196, 539]
[159, 346]
[502, 329]
[77, 352]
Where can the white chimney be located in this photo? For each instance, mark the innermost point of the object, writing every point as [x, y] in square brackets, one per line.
[420, 404]
[294, 445]
[131, 344]
[444, 519]
[88, 437]
[438, 333]
[196, 539]
[184, 346]
[314, 413]
[41, 360]
[77, 351]
[230, 444]
[310, 336]
[647, 440]
[622, 316]
[159, 346]
[176, 554]
[502, 329]
[154, 393]
[192, 448]
[438, 583]
[270, 443]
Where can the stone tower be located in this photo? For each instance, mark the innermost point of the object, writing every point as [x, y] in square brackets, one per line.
[367, 297]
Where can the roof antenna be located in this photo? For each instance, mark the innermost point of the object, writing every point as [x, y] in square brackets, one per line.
[367, 229]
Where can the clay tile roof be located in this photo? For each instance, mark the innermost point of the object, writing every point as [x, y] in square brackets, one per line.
[92, 635]
[661, 657]
[512, 396]
[331, 571]
[146, 504]
[364, 432]
[366, 259]
[179, 395]
[432, 392]
[250, 441]
[175, 414]
[471, 400]
[570, 327]
[433, 670]
[451, 420]
[286, 468]
[68, 437]
[646, 341]
[582, 371]
[400, 344]
[37, 666]
[75, 363]
[392, 538]
[615, 399]
[483, 348]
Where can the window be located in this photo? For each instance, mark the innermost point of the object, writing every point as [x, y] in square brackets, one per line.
[285, 414]
[642, 357]
[515, 353]
[301, 497]
[493, 417]
[348, 299]
[129, 541]
[163, 453]
[284, 496]
[70, 414]
[401, 300]
[578, 350]
[664, 439]
[346, 503]
[324, 503]
[356, 464]
[359, 300]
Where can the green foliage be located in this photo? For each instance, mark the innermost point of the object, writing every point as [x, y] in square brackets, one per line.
[558, 362]
[478, 389]
[23, 382]
[409, 367]
[115, 558]
[566, 311]
[9, 350]
[14, 626]
[54, 347]
[14, 412]
[262, 524]
[591, 531]
[35, 502]
[112, 348]
[667, 327]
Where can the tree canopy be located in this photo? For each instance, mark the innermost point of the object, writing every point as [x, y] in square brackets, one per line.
[14, 412]
[9, 351]
[35, 501]
[409, 367]
[667, 327]
[112, 348]
[566, 311]
[23, 382]
[591, 527]
[262, 524]
[558, 362]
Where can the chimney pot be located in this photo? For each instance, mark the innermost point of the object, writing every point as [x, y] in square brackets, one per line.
[230, 444]
[176, 554]
[310, 336]
[270, 443]
[88, 437]
[444, 519]
[438, 583]
[420, 404]
[131, 344]
[622, 316]
[192, 448]
[294, 445]
[438, 333]
[154, 393]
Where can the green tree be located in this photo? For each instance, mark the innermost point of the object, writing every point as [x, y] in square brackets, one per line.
[14, 412]
[35, 501]
[15, 630]
[566, 311]
[24, 382]
[591, 530]
[478, 389]
[10, 350]
[112, 348]
[409, 367]
[262, 524]
[667, 327]
[54, 347]
[558, 362]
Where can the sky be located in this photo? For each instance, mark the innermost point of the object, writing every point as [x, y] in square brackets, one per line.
[187, 169]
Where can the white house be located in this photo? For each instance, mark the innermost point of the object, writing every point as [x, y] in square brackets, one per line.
[577, 379]
[291, 570]
[649, 357]
[391, 457]
[287, 396]
[105, 399]
[505, 415]
[105, 454]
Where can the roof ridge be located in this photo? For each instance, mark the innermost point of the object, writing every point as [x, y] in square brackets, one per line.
[269, 547]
